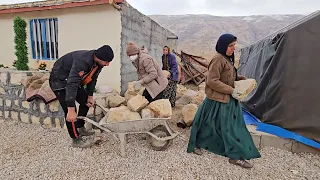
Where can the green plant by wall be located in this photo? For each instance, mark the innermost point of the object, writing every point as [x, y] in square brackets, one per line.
[21, 49]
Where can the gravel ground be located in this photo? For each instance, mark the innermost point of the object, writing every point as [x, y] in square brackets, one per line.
[31, 152]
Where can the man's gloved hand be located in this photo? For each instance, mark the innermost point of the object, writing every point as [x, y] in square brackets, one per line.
[237, 94]
[137, 85]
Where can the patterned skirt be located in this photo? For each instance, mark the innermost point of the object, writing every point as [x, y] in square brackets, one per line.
[170, 92]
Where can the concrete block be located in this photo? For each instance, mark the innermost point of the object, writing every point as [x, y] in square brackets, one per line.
[3, 78]
[47, 122]
[24, 118]
[35, 120]
[298, 147]
[8, 102]
[14, 115]
[16, 78]
[276, 142]
[257, 140]
[42, 107]
[25, 104]
[54, 106]
[6, 114]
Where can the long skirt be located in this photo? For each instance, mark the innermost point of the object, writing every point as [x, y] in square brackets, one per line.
[170, 92]
[220, 128]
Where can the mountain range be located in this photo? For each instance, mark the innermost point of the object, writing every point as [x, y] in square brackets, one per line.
[198, 33]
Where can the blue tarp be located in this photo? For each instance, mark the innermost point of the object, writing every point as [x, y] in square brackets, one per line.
[250, 119]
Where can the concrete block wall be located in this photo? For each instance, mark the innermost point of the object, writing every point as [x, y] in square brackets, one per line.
[142, 30]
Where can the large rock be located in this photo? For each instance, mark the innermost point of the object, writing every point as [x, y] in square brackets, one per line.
[146, 113]
[181, 90]
[245, 86]
[161, 108]
[188, 113]
[116, 101]
[120, 114]
[137, 103]
[186, 98]
[198, 98]
[131, 91]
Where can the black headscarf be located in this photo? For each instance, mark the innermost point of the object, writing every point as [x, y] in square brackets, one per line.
[223, 43]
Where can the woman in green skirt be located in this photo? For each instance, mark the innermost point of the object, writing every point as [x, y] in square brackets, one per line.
[218, 125]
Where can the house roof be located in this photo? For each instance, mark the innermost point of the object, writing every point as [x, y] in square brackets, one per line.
[54, 4]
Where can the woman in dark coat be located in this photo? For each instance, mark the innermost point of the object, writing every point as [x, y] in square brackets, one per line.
[169, 63]
[218, 125]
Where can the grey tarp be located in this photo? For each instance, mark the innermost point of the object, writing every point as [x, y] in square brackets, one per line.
[286, 66]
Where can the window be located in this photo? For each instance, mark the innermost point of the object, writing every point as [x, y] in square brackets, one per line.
[44, 39]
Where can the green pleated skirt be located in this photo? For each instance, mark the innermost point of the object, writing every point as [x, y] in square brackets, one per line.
[220, 128]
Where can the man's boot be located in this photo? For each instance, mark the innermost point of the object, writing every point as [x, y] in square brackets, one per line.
[81, 143]
[84, 132]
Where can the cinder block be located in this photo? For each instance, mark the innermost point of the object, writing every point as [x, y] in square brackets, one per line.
[298, 147]
[276, 142]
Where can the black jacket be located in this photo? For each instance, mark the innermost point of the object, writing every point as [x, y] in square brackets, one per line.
[68, 71]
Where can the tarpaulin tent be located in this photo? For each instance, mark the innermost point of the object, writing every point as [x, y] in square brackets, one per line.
[286, 66]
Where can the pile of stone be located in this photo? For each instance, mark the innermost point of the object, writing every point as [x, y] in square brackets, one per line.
[190, 100]
[133, 106]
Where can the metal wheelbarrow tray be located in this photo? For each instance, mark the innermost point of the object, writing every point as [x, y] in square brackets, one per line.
[160, 134]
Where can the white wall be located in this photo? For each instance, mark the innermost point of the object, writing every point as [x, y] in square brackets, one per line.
[80, 28]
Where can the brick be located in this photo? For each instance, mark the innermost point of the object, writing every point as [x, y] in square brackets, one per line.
[24, 118]
[47, 122]
[14, 115]
[42, 107]
[54, 106]
[35, 120]
[26, 104]
[8, 102]
[16, 78]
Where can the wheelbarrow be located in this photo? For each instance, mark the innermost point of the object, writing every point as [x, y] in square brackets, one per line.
[160, 134]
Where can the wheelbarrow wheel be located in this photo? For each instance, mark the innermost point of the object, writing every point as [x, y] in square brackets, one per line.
[157, 145]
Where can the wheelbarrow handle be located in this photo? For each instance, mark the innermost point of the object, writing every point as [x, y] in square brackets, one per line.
[94, 123]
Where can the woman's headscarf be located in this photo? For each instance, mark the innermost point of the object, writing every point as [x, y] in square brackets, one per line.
[223, 43]
[165, 59]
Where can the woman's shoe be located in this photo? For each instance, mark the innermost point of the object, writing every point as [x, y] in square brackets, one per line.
[241, 163]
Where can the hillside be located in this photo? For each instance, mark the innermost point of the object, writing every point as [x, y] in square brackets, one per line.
[199, 33]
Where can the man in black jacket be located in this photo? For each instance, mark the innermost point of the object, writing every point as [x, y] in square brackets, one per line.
[69, 75]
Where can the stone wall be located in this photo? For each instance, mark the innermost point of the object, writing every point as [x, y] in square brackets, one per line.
[14, 106]
[142, 30]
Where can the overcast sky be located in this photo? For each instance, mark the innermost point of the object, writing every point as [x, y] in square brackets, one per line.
[218, 7]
